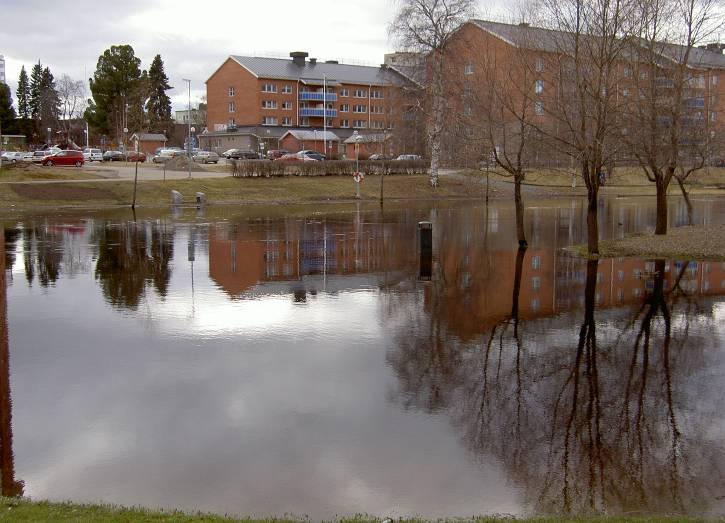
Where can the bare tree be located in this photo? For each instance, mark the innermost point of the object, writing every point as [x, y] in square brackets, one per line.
[426, 27]
[670, 81]
[72, 95]
[587, 48]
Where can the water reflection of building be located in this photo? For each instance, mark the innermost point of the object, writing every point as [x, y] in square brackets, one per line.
[242, 256]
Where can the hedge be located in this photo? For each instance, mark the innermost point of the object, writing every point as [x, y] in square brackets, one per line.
[267, 168]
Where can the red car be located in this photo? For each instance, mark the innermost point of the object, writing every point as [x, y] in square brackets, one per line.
[65, 158]
[132, 155]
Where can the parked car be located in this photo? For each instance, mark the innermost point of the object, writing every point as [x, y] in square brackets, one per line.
[409, 157]
[113, 156]
[92, 155]
[12, 157]
[37, 156]
[240, 154]
[301, 156]
[132, 156]
[273, 154]
[206, 157]
[69, 157]
[164, 155]
[378, 157]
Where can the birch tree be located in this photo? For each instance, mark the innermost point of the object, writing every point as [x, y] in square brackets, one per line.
[426, 27]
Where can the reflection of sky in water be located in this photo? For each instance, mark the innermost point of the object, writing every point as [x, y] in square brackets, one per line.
[293, 396]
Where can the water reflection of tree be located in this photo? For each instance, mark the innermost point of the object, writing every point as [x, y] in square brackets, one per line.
[595, 429]
[42, 256]
[132, 256]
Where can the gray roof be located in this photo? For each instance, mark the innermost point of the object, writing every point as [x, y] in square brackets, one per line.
[552, 41]
[286, 69]
[313, 135]
[150, 137]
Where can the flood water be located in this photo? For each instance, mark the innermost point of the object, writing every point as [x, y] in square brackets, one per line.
[309, 362]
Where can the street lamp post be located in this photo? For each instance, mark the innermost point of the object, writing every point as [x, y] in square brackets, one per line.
[188, 119]
[356, 138]
[125, 152]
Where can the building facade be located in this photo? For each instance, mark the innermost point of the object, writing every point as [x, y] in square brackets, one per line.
[270, 96]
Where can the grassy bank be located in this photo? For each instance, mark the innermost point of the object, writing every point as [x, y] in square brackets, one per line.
[283, 190]
[41, 512]
[696, 243]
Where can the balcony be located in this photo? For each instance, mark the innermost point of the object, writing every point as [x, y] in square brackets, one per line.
[330, 113]
[317, 96]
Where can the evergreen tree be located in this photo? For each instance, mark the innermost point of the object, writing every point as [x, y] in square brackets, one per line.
[36, 78]
[113, 88]
[158, 105]
[7, 113]
[49, 100]
[23, 94]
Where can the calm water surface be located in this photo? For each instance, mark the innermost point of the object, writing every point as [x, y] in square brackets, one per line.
[311, 364]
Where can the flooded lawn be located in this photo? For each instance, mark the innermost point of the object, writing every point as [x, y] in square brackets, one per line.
[315, 364]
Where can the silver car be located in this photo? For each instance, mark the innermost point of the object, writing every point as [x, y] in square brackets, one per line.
[12, 157]
[206, 157]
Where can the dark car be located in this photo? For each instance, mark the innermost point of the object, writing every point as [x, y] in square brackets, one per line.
[113, 156]
[273, 154]
[240, 154]
[65, 158]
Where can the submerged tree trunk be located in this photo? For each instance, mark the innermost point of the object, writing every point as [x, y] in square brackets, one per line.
[661, 224]
[688, 203]
[592, 223]
[520, 232]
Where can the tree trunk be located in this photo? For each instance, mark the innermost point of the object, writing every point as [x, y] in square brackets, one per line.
[592, 223]
[517, 283]
[661, 225]
[520, 233]
[688, 203]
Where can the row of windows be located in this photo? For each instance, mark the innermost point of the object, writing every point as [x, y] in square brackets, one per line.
[305, 122]
[287, 106]
[286, 89]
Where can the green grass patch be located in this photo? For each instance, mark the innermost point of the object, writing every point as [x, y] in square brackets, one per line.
[13, 509]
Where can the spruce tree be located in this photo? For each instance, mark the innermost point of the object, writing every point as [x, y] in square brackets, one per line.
[23, 94]
[36, 78]
[158, 105]
[49, 99]
[7, 113]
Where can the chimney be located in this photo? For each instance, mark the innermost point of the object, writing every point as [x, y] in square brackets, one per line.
[298, 57]
[331, 62]
[313, 61]
[523, 24]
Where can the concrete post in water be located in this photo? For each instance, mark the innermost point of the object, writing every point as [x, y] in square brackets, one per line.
[176, 198]
[425, 239]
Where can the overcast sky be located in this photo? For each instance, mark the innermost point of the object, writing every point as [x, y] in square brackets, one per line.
[193, 38]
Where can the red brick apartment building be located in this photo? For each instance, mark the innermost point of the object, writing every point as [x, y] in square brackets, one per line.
[525, 63]
[253, 102]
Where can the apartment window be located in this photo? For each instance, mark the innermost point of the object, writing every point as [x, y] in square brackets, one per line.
[286, 89]
[344, 123]
[377, 124]
[232, 107]
[539, 64]
[359, 124]
[539, 86]
[536, 262]
[287, 106]
[620, 275]
[269, 88]
[625, 92]
[269, 120]
[713, 80]
[305, 122]
[359, 109]
[344, 92]
[287, 121]
[269, 104]
[377, 109]
[232, 123]
[468, 69]
[539, 108]
[231, 91]
[344, 108]
[329, 122]
[376, 94]
[535, 304]
[360, 93]
[627, 72]
[713, 116]
[536, 283]
[643, 75]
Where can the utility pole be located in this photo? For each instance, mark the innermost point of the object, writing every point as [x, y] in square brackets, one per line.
[188, 119]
